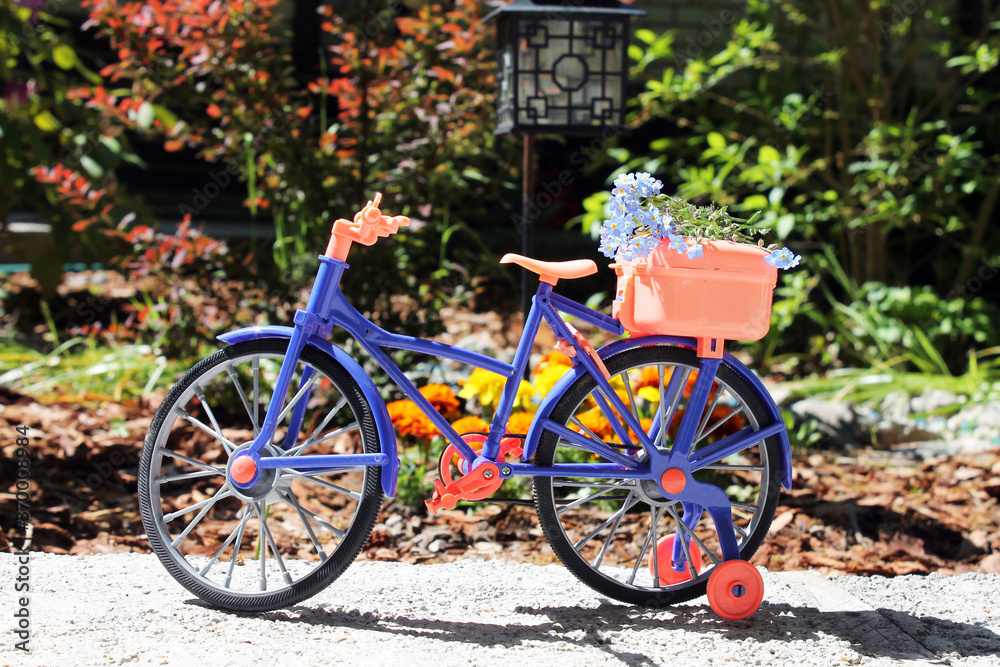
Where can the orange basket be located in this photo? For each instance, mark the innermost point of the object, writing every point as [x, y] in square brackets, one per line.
[726, 294]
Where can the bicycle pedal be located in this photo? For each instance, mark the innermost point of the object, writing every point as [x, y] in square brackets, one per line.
[446, 497]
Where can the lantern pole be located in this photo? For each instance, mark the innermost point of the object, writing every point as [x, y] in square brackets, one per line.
[527, 194]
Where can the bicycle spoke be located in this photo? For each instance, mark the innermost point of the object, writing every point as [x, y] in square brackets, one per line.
[215, 422]
[596, 494]
[243, 398]
[292, 500]
[590, 434]
[326, 420]
[298, 396]
[661, 406]
[261, 549]
[739, 530]
[225, 545]
[733, 468]
[255, 364]
[294, 451]
[226, 443]
[187, 475]
[631, 396]
[310, 477]
[684, 543]
[236, 548]
[683, 526]
[630, 501]
[708, 412]
[674, 400]
[596, 485]
[198, 517]
[198, 464]
[738, 409]
[657, 513]
[642, 552]
[746, 507]
[613, 518]
[274, 548]
[312, 535]
[167, 518]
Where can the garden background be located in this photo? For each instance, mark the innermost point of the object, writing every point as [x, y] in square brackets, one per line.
[172, 168]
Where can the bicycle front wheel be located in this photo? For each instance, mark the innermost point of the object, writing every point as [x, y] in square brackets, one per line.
[619, 536]
[293, 532]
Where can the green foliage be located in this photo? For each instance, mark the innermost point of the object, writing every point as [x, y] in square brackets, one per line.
[403, 106]
[838, 139]
[56, 156]
[864, 128]
[86, 369]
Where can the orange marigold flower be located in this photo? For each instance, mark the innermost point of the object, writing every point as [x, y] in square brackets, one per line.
[471, 425]
[596, 422]
[410, 421]
[519, 422]
[442, 398]
[553, 358]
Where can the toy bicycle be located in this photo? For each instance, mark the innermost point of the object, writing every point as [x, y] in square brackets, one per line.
[656, 460]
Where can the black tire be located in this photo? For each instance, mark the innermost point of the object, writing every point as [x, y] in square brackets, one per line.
[316, 553]
[592, 562]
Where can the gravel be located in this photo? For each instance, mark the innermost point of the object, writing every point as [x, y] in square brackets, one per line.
[125, 609]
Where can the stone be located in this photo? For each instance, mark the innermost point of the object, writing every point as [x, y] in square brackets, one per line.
[838, 422]
[962, 445]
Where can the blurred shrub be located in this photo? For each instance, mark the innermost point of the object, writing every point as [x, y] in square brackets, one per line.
[869, 128]
[57, 156]
[403, 106]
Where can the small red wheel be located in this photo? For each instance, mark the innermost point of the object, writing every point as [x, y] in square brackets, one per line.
[735, 590]
[664, 558]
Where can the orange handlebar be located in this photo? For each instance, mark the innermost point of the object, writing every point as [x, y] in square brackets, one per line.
[369, 224]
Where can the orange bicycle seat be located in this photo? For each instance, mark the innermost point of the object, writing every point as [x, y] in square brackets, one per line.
[551, 272]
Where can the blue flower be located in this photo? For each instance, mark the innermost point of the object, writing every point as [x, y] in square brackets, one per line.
[661, 224]
[677, 243]
[783, 259]
[625, 205]
[608, 248]
[646, 185]
[695, 251]
[617, 229]
[643, 246]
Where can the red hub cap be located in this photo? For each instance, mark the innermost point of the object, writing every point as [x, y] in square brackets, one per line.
[243, 470]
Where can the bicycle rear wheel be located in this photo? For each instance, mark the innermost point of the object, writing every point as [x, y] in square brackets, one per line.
[615, 535]
[294, 532]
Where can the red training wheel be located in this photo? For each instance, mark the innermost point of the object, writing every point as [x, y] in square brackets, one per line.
[735, 590]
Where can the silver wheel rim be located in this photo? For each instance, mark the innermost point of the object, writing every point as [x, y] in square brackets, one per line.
[274, 539]
[597, 536]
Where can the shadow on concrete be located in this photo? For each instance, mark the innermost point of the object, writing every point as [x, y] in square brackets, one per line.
[931, 636]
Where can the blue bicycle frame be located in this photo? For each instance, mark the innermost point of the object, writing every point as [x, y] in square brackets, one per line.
[328, 307]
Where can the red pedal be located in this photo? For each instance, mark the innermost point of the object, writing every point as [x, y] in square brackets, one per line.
[445, 497]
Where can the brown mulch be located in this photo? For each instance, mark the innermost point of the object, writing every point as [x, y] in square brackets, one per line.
[869, 513]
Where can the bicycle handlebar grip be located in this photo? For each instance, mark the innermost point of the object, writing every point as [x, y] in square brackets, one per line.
[369, 224]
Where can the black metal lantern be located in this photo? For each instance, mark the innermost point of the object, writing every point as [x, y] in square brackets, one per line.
[562, 66]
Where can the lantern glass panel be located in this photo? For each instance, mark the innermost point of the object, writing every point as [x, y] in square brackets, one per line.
[562, 71]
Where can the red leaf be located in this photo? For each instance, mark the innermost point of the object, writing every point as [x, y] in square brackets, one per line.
[213, 110]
